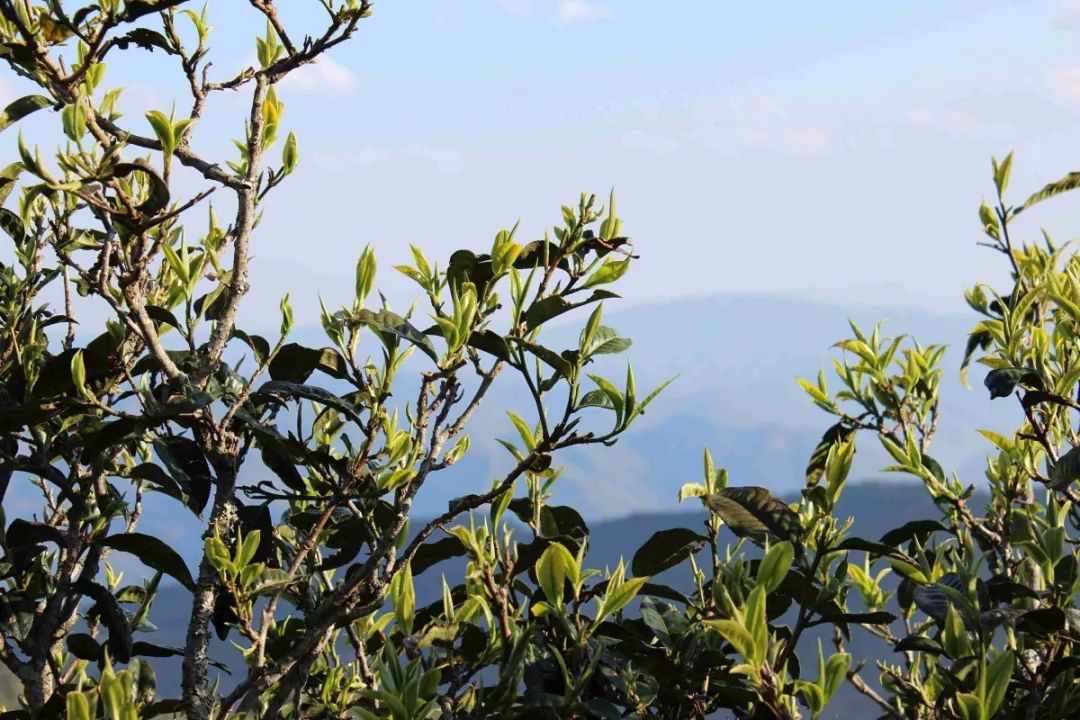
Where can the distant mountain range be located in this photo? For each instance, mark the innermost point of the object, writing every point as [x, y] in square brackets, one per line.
[876, 507]
[736, 358]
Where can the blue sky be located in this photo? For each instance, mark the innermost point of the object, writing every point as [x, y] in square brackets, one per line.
[832, 150]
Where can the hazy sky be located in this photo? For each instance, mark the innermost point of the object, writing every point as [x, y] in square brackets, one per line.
[832, 149]
[835, 150]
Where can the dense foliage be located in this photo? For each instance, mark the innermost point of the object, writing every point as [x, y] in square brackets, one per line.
[311, 574]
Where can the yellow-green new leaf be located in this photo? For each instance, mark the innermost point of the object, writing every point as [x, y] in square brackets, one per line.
[78, 372]
[552, 569]
[620, 597]
[608, 272]
[775, 565]
[163, 129]
[736, 634]
[757, 624]
[78, 707]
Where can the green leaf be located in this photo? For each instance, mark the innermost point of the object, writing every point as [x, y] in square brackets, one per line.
[835, 673]
[1066, 470]
[290, 155]
[1065, 184]
[78, 706]
[188, 467]
[997, 681]
[281, 388]
[775, 565]
[954, 637]
[1003, 381]
[551, 307]
[490, 342]
[614, 396]
[78, 372]
[295, 363]
[248, 549]
[365, 274]
[158, 197]
[163, 129]
[689, 490]
[552, 569]
[84, 647]
[734, 632]
[388, 323]
[753, 512]
[153, 553]
[24, 533]
[757, 624]
[970, 706]
[916, 529]
[286, 316]
[665, 549]
[22, 107]
[403, 595]
[813, 696]
[617, 599]
[837, 434]
[610, 271]
[528, 438]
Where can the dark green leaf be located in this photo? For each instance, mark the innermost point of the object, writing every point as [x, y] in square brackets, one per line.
[754, 513]
[153, 553]
[666, 549]
[1065, 470]
[490, 342]
[388, 324]
[432, 553]
[22, 107]
[158, 197]
[918, 643]
[159, 479]
[84, 647]
[188, 467]
[12, 224]
[874, 548]
[281, 388]
[24, 533]
[1003, 381]
[106, 606]
[261, 348]
[555, 305]
[867, 618]
[916, 529]
[146, 39]
[163, 316]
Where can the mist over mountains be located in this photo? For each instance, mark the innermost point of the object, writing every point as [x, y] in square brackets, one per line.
[736, 359]
[875, 506]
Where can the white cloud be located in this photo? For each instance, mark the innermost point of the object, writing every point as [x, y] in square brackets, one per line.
[337, 160]
[958, 123]
[1065, 82]
[576, 11]
[652, 142]
[445, 161]
[809, 140]
[517, 8]
[729, 126]
[323, 77]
